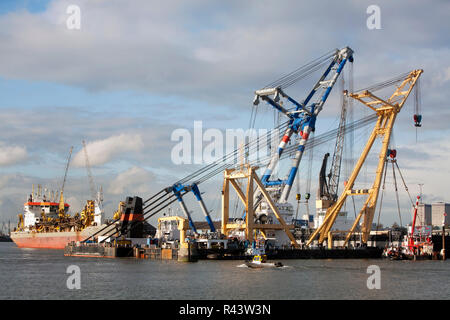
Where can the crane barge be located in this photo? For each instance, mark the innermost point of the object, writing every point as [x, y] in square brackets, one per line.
[268, 214]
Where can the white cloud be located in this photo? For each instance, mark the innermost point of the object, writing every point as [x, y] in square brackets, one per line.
[214, 51]
[217, 52]
[446, 74]
[135, 180]
[10, 155]
[102, 151]
[427, 163]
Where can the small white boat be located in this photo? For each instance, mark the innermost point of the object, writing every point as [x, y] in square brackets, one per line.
[260, 261]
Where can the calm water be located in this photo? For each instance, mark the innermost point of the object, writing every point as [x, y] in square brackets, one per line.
[41, 274]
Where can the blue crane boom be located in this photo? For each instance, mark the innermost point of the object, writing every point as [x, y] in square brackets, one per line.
[177, 189]
[302, 119]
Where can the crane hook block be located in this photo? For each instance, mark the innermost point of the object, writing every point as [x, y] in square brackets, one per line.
[392, 153]
[417, 120]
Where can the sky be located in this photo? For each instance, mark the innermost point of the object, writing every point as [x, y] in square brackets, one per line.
[135, 72]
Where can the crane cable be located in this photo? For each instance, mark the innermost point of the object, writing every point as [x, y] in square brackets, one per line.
[302, 72]
[216, 167]
[283, 82]
[308, 181]
[384, 84]
[404, 183]
[383, 189]
[382, 193]
[396, 195]
[407, 190]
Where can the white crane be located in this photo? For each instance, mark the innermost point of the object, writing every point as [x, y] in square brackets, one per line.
[96, 196]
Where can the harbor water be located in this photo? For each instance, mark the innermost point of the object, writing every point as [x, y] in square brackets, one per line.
[42, 274]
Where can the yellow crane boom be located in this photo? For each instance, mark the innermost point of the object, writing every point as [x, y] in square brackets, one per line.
[387, 111]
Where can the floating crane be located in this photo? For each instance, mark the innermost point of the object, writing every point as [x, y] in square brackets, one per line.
[165, 197]
[386, 111]
[301, 121]
[269, 202]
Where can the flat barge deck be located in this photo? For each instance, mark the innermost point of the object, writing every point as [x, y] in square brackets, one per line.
[157, 253]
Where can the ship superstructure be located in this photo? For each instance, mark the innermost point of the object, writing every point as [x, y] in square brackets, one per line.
[265, 215]
[38, 208]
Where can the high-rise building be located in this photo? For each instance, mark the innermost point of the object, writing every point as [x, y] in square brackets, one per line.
[424, 215]
[437, 213]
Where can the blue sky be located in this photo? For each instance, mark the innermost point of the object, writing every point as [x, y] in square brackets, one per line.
[34, 6]
[133, 74]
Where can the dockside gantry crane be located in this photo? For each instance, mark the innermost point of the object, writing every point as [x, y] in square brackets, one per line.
[386, 111]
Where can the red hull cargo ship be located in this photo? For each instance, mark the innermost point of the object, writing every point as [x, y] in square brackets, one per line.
[47, 224]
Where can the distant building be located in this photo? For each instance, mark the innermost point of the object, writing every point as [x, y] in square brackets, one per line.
[424, 215]
[203, 226]
[437, 213]
[341, 223]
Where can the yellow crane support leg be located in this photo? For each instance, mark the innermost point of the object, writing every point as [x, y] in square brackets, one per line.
[333, 211]
[248, 173]
[275, 210]
[358, 218]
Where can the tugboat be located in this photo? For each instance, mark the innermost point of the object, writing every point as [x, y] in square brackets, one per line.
[260, 260]
[395, 253]
[416, 246]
